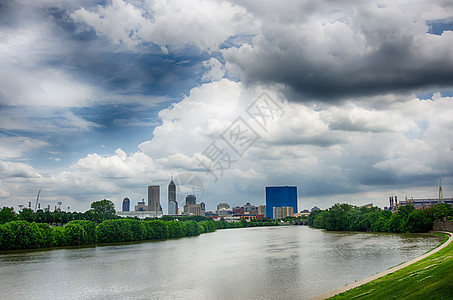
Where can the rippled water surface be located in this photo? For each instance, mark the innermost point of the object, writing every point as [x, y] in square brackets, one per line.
[294, 262]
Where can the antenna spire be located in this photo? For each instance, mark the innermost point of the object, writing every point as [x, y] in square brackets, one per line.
[441, 194]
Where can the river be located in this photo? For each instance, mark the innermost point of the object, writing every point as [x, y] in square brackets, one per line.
[288, 262]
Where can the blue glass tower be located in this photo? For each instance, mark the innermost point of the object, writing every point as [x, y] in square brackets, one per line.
[280, 196]
[126, 204]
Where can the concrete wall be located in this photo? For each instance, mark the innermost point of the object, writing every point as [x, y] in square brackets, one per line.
[442, 226]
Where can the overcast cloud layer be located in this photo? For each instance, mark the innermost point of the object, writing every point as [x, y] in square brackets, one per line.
[101, 98]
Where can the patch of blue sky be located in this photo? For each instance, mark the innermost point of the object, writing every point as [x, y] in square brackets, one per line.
[428, 95]
[446, 93]
[437, 27]
[237, 41]
[116, 126]
[422, 126]
[425, 95]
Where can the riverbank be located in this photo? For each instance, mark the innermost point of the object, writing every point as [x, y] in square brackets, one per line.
[426, 277]
[23, 235]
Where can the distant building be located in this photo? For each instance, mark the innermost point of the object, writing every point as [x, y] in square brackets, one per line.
[232, 219]
[211, 214]
[248, 217]
[191, 199]
[172, 203]
[304, 213]
[262, 211]
[370, 205]
[172, 208]
[250, 209]
[422, 203]
[280, 196]
[141, 206]
[315, 208]
[223, 206]
[238, 210]
[224, 212]
[282, 212]
[139, 214]
[192, 208]
[126, 204]
[154, 198]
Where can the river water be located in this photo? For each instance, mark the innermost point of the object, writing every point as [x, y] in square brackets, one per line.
[290, 262]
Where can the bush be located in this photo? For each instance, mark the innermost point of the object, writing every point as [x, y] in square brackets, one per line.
[175, 229]
[191, 228]
[47, 235]
[21, 235]
[60, 237]
[417, 221]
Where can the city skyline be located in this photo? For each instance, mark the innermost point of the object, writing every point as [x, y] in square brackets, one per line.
[349, 101]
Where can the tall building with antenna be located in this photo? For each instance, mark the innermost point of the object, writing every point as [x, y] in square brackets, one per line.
[172, 203]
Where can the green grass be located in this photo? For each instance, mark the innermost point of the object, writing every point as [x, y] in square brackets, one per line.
[430, 278]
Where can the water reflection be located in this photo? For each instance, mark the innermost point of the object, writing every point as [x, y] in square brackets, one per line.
[256, 263]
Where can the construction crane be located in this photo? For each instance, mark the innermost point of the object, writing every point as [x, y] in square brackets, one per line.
[37, 199]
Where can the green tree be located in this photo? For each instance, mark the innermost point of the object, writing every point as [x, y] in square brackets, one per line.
[441, 211]
[312, 217]
[60, 236]
[21, 235]
[7, 214]
[49, 217]
[75, 234]
[89, 227]
[383, 222]
[191, 228]
[403, 213]
[103, 210]
[27, 214]
[320, 219]
[417, 221]
[40, 218]
[58, 218]
[175, 229]
[336, 217]
[370, 219]
[47, 235]
[395, 222]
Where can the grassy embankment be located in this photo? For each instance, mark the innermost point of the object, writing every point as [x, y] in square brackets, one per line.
[429, 278]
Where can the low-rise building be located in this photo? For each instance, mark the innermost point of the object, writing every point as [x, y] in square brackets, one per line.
[282, 212]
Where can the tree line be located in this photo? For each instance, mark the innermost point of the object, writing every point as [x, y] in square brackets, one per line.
[346, 217]
[100, 225]
[99, 211]
[21, 234]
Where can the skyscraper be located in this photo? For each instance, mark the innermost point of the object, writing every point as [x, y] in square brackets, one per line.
[154, 198]
[126, 204]
[172, 203]
[190, 201]
[280, 196]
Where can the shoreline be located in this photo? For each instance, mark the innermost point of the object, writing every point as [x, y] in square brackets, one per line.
[386, 272]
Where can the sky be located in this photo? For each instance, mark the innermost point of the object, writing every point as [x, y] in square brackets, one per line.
[350, 101]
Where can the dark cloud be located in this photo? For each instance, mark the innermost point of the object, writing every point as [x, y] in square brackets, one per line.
[147, 72]
[371, 51]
